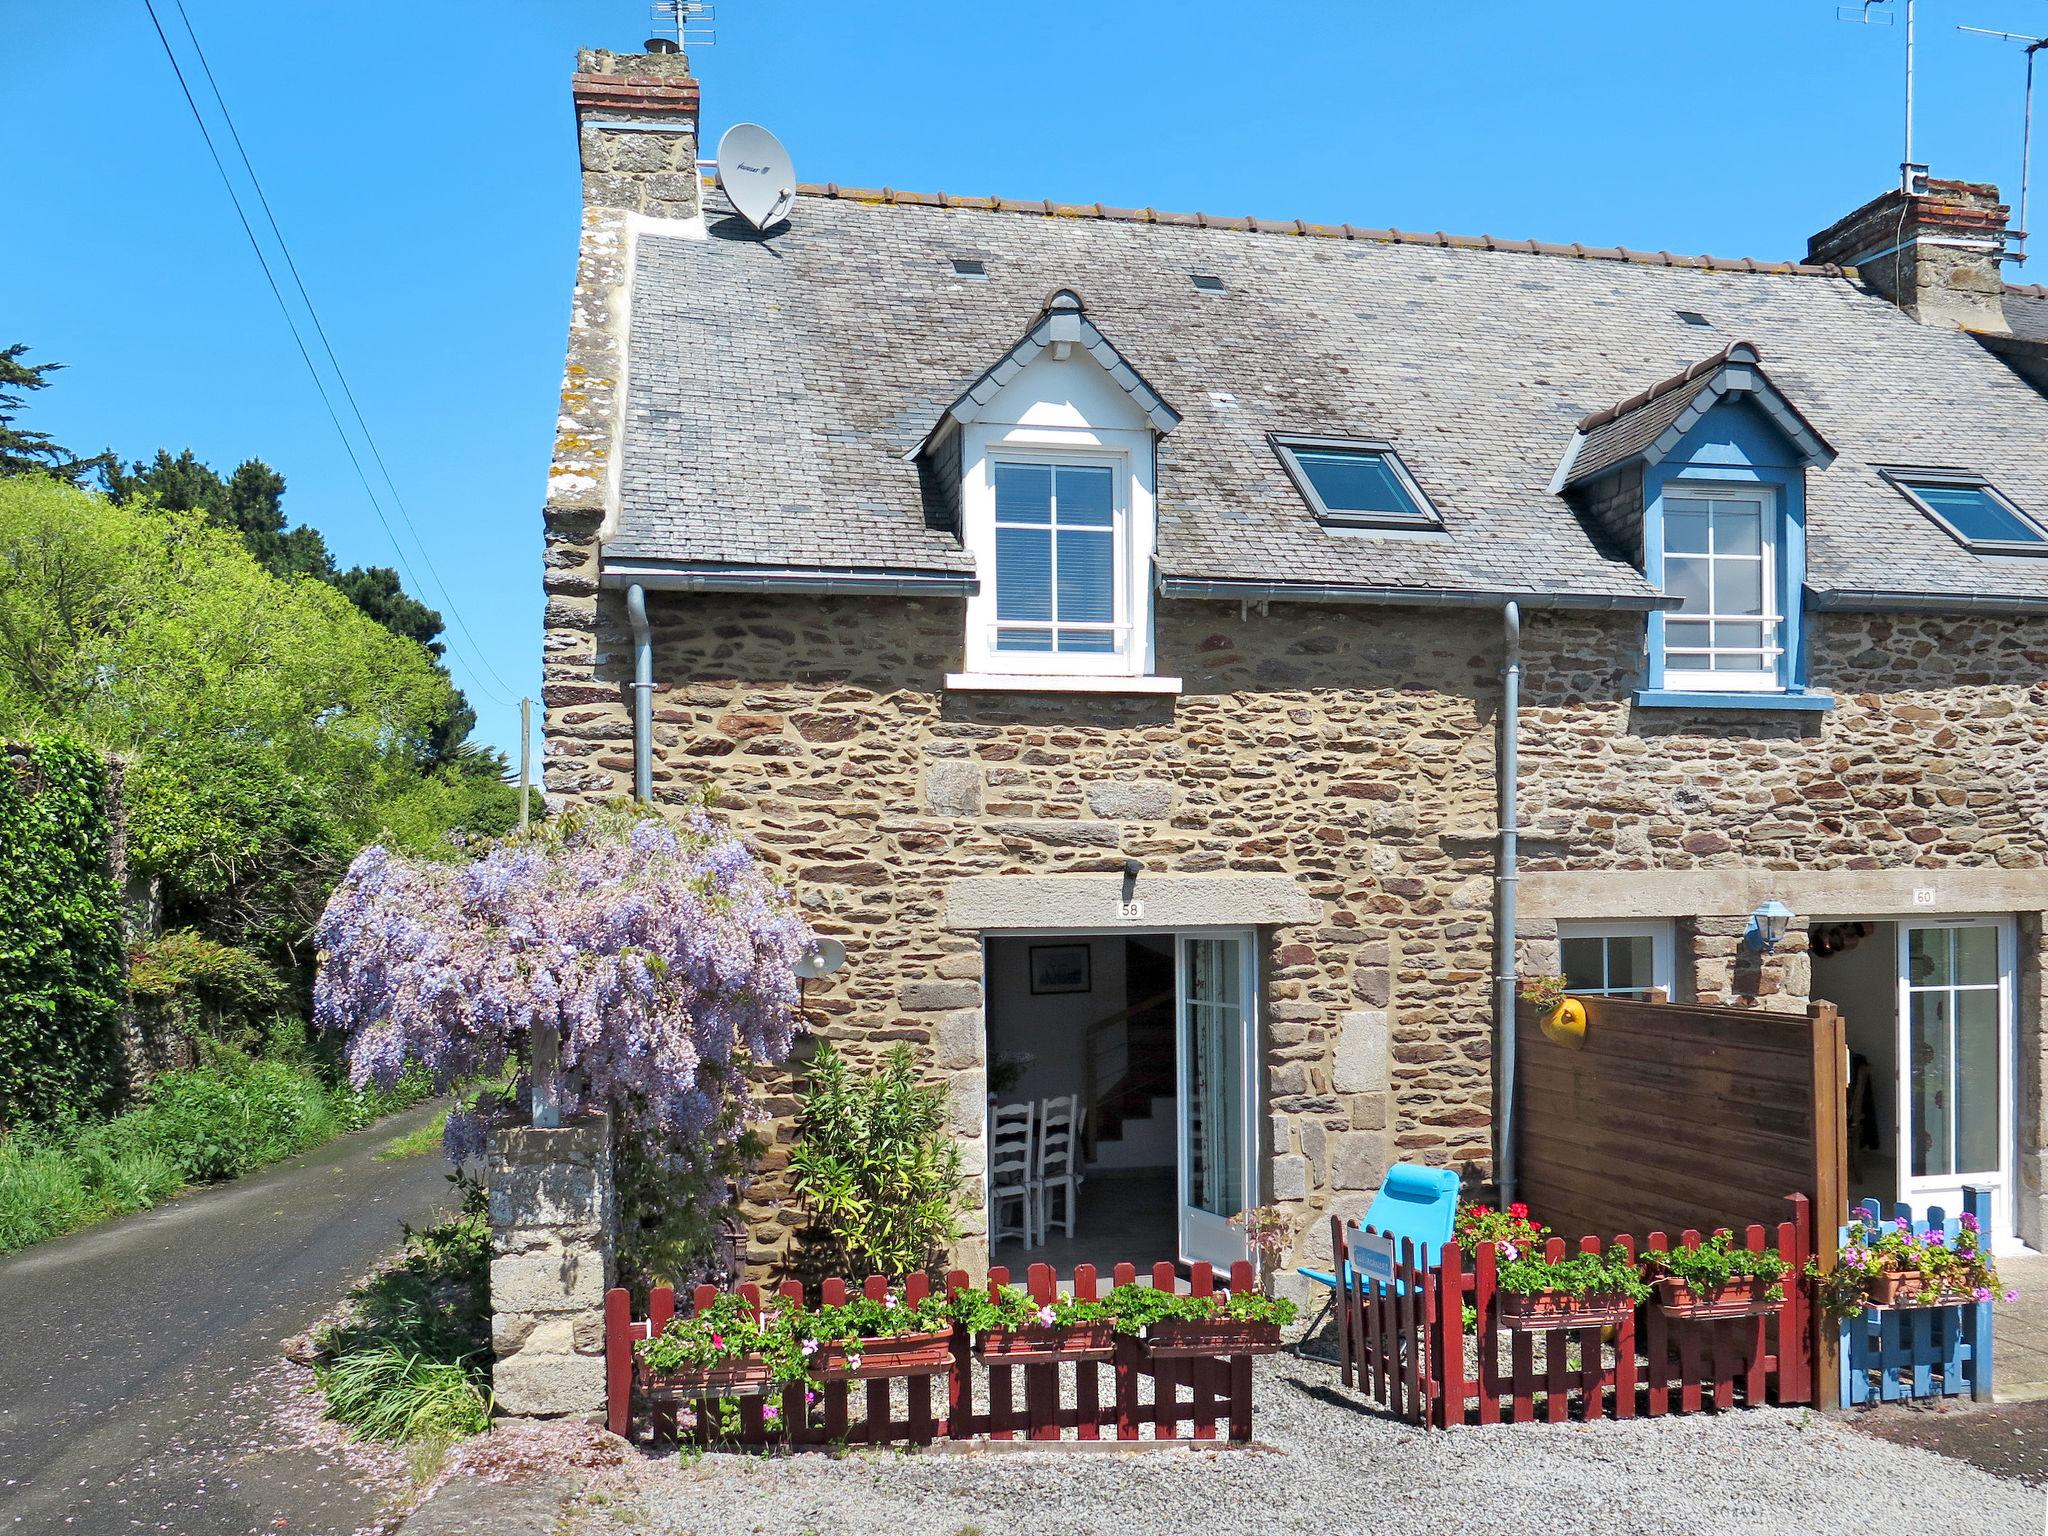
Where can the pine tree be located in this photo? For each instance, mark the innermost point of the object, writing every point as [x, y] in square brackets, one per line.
[27, 452]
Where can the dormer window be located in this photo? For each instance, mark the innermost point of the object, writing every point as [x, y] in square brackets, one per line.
[1355, 484]
[1720, 561]
[1974, 513]
[1051, 454]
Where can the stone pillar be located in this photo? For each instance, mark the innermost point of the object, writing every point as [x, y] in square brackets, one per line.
[551, 1205]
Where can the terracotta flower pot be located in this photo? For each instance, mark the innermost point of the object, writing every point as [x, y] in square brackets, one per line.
[1555, 1309]
[1205, 1340]
[1898, 1288]
[1737, 1298]
[908, 1354]
[1039, 1346]
[740, 1376]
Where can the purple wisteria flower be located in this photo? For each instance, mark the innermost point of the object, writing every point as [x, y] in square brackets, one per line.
[662, 954]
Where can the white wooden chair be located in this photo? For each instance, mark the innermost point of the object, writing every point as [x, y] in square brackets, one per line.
[1011, 1143]
[1060, 1122]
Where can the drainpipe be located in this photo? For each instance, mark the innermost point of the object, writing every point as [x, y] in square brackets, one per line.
[1505, 881]
[643, 695]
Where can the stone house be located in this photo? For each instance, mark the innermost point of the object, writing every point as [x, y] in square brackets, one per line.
[1107, 620]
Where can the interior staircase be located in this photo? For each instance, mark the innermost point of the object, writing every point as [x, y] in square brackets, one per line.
[1130, 1066]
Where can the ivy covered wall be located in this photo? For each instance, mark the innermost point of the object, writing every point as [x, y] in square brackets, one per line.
[61, 945]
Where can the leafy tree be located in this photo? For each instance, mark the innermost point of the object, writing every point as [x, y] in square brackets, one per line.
[273, 725]
[27, 452]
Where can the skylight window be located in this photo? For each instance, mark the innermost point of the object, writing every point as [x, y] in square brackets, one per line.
[970, 266]
[1693, 317]
[1355, 484]
[1208, 282]
[1971, 510]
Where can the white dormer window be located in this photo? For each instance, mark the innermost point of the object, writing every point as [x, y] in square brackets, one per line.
[1056, 508]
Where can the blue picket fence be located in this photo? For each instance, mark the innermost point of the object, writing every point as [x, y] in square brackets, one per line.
[1891, 1354]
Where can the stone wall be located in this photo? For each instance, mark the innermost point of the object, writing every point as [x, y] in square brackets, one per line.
[552, 1260]
[1347, 749]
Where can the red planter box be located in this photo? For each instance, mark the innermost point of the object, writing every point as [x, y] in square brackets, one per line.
[1553, 1309]
[1082, 1342]
[1738, 1298]
[1202, 1341]
[1908, 1288]
[745, 1376]
[909, 1354]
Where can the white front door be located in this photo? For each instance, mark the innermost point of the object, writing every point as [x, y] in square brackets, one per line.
[1218, 1091]
[1955, 1064]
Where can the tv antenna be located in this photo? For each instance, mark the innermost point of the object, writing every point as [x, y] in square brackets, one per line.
[1871, 13]
[2016, 247]
[682, 24]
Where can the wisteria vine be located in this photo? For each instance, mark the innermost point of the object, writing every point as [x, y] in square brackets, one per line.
[662, 953]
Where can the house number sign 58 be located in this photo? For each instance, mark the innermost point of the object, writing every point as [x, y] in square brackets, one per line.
[1130, 911]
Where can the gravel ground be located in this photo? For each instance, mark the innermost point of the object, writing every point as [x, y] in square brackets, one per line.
[1325, 1463]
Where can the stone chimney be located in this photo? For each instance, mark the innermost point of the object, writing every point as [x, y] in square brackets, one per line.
[636, 126]
[1936, 254]
[636, 135]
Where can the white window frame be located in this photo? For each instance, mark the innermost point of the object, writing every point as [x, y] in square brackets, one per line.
[1661, 932]
[1773, 618]
[1130, 463]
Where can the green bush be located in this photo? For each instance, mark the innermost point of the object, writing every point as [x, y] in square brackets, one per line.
[875, 1166]
[202, 988]
[411, 1362]
[60, 937]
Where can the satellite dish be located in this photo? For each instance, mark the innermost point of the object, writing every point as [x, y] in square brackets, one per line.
[826, 955]
[754, 171]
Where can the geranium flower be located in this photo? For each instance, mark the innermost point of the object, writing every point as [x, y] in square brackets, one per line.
[770, 1414]
[1983, 1293]
[1967, 1221]
[2012, 1295]
[1519, 1209]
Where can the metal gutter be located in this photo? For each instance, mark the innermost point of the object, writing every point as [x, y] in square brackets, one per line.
[658, 577]
[1506, 880]
[1235, 590]
[1864, 600]
[643, 695]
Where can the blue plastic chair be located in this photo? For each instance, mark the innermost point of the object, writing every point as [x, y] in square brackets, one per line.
[1416, 1203]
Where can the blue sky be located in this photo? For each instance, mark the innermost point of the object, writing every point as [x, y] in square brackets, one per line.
[421, 161]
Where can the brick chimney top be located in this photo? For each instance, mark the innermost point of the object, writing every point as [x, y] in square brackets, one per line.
[1936, 254]
[636, 126]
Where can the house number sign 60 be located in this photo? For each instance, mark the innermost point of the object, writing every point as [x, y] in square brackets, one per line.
[1923, 895]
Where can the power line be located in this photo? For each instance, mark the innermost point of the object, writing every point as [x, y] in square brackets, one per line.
[305, 355]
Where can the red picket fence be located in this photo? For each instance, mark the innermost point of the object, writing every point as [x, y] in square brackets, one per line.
[1134, 1396]
[1404, 1339]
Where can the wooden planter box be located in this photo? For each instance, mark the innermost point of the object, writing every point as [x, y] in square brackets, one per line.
[743, 1376]
[1553, 1309]
[1081, 1342]
[908, 1354]
[1907, 1288]
[1203, 1341]
[1738, 1298]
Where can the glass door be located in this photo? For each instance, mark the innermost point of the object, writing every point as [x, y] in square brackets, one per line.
[1218, 1094]
[1955, 1034]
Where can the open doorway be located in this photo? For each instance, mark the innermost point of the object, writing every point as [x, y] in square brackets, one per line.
[1927, 1005]
[1151, 1035]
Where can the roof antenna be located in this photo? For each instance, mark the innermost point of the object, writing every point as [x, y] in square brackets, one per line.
[1912, 174]
[2016, 242]
[682, 24]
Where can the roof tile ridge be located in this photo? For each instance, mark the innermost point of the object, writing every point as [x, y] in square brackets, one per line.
[1299, 228]
[1691, 374]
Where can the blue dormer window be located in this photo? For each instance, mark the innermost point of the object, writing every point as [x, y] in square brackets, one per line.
[1704, 473]
[1721, 561]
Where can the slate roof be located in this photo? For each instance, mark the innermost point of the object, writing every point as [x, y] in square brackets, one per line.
[776, 390]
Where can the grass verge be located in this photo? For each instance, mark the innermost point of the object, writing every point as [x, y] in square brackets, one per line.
[223, 1119]
[410, 1363]
[415, 1143]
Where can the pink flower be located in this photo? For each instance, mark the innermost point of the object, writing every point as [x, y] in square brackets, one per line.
[1510, 1252]
[810, 1346]
[1045, 1317]
[1984, 1293]
[718, 1341]
[770, 1414]
[2012, 1295]
[853, 1362]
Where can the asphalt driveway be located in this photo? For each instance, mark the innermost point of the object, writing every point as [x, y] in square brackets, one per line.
[128, 1351]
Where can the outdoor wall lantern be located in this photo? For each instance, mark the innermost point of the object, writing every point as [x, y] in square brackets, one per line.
[1767, 925]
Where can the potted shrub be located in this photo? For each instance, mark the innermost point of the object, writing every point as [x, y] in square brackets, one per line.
[873, 1337]
[1717, 1279]
[1885, 1264]
[1199, 1327]
[1579, 1290]
[725, 1350]
[1009, 1328]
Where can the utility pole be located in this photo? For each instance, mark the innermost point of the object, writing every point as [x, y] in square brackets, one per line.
[525, 760]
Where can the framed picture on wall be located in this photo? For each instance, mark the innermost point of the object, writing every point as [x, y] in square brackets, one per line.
[1059, 968]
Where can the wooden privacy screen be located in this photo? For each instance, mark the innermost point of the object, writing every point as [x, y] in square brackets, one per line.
[1669, 1116]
